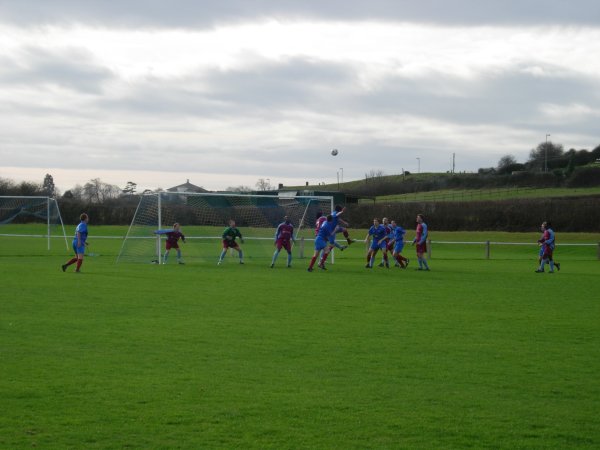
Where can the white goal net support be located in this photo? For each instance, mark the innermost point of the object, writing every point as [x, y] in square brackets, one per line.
[204, 216]
[31, 217]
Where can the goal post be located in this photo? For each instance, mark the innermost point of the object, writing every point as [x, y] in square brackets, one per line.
[33, 217]
[204, 216]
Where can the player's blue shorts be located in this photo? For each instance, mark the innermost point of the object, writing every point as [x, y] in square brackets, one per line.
[398, 246]
[378, 246]
[78, 250]
[320, 243]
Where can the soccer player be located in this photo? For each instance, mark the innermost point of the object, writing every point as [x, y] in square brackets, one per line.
[173, 237]
[319, 221]
[377, 236]
[397, 244]
[421, 242]
[322, 243]
[389, 247]
[336, 213]
[284, 236]
[547, 244]
[79, 243]
[229, 235]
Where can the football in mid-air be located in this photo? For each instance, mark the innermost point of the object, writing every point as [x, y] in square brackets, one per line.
[334, 152]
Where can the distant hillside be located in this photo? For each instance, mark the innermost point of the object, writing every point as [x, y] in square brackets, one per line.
[375, 186]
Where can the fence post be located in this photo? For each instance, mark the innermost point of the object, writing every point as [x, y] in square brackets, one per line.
[428, 243]
[487, 249]
[301, 250]
[598, 250]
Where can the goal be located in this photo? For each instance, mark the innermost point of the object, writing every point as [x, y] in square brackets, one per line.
[31, 217]
[204, 216]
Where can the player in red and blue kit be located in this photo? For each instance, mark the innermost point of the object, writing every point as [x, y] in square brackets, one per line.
[421, 242]
[389, 247]
[173, 236]
[322, 243]
[547, 244]
[397, 243]
[319, 221]
[79, 243]
[284, 236]
[377, 236]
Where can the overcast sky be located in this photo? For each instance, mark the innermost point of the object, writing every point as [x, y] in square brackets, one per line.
[225, 92]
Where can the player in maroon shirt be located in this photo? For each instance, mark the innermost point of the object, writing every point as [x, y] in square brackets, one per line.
[173, 237]
[420, 241]
[284, 236]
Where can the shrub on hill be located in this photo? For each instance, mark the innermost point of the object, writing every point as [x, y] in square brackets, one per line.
[588, 176]
[508, 215]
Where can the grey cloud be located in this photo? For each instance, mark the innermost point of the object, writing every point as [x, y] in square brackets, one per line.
[72, 69]
[262, 89]
[192, 13]
[511, 98]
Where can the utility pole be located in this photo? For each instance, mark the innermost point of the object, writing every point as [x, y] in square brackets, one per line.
[546, 154]
[453, 161]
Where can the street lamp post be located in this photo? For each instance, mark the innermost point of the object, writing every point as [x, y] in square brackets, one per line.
[546, 154]
[419, 165]
[342, 170]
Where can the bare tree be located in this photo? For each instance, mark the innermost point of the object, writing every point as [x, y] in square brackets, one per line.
[374, 174]
[263, 185]
[96, 191]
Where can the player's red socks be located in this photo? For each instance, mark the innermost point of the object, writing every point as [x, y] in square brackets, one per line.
[312, 262]
[400, 260]
[79, 262]
[324, 257]
[71, 261]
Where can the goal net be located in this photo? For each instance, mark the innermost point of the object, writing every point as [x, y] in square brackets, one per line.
[30, 217]
[204, 216]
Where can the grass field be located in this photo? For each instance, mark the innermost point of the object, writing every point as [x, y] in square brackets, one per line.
[474, 354]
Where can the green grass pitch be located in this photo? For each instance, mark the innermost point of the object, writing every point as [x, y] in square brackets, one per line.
[474, 354]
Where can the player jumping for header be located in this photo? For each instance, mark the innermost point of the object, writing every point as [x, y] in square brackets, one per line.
[338, 211]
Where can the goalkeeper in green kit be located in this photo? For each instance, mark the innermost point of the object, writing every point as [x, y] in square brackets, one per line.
[229, 236]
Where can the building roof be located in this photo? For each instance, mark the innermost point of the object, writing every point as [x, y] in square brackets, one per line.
[187, 187]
